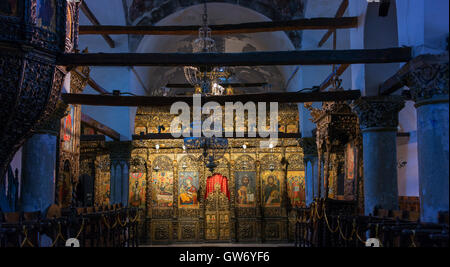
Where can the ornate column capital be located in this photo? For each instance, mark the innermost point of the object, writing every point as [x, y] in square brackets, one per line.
[428, 79]
[378, 112]
[53, 123]
[309, 146]
[79, 79]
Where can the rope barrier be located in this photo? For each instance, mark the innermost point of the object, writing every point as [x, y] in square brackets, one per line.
[81, 229]
[315, 216]
[412, 237]
[328, 224]
[120, 222]
[26, 240]
[58, 236]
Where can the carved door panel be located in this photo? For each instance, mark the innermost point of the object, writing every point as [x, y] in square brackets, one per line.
[217, 216]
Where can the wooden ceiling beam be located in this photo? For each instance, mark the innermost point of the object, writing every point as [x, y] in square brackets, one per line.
[136, 101]
[329, 80]
[225, 29]
[234, 85]
[99, 127]
[92, 83]
[91, 17]
[311, 57]
[341, 11]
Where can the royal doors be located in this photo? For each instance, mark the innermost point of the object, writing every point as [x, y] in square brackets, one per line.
[217, 211]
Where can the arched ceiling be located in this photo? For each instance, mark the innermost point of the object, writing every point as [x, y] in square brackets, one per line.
[150, 12]
[219, 13]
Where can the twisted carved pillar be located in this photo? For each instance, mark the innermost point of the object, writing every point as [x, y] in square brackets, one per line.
[378, 118]
[310, 158]
[429, 80]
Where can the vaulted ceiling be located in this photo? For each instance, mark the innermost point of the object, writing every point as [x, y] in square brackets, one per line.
[176, 12]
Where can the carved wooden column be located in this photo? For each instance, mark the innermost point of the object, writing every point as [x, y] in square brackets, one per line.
[429, 81]
[175, 207]
[378, 118]
[259, 203]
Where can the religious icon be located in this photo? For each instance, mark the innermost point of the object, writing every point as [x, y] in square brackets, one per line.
[162, 189]
[137, 189]
[350, 158]
[46, 14]
[188, 189]
[296, 188]
[8, 8]
[245, 184]
[68, 123]
[271, 190]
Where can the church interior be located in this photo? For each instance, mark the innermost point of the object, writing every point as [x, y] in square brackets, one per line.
[338, 136]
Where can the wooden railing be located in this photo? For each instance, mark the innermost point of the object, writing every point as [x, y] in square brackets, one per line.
[107, 226]
[331, 223]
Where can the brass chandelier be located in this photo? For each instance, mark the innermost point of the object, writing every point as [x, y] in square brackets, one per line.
[206, 79]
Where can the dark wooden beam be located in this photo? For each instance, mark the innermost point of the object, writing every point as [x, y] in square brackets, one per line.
[97, 87]
[93, 84]
[84, 7]
[136, 101]
[169, 136]
[329, 80]
[94, 137]
[341, 11]
[395, 82]
[234, 85]
[313, 57]
[252, 27]
[99, 127]
[138, 77]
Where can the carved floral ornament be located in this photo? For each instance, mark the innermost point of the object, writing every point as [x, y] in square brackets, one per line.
[429, 78]
[245, 162]
[138, 165]
[378, 112]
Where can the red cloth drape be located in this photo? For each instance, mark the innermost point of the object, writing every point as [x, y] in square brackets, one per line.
[217, 179]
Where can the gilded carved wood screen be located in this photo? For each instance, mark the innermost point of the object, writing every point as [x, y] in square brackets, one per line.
[180, 204]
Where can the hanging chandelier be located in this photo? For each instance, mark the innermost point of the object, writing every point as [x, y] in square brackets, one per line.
[212, 149]
[206, 79]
